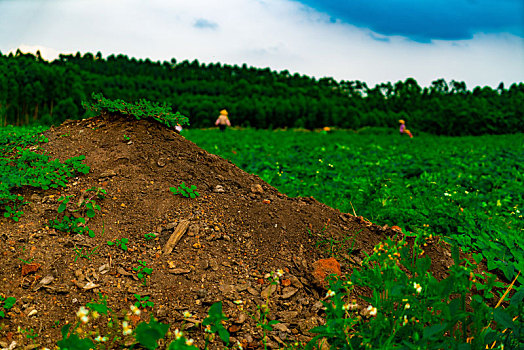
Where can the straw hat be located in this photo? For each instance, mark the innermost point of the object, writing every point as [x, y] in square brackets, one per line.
[401, 121]
[223, 112]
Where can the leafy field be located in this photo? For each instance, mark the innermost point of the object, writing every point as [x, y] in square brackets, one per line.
[468, 189]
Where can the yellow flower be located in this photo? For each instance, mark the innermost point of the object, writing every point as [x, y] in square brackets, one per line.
[330, 294]
[82, 312]
[178, 334]
[187, 314]
[100, 339]
[189, 342]
[135, 309]
[126, 330]
[417, 287]
[407, 306]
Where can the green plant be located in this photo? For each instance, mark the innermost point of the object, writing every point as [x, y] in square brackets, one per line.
[411, 308]
[148, 334]
[213, 323]
[90, 203]
[81, 254]
[140, 109]
[143, 301]
[127, 138]
[28, 333]
[100, 306]
[122, 243]
[6, 303]
[149, 236]
[72, 225]
[142, 271]
[26, 261]
[71, 341]
[13, 211]
[185, 191]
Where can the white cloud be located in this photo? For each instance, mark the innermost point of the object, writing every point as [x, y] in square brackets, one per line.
[278, 34]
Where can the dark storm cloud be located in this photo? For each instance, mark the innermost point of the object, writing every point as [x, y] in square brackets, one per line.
[424, 21]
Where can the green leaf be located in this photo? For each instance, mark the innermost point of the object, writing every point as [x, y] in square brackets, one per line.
[148, 334]
[9, 302]
[223, 334]
[432, 330]
[503, 318]
[90, 213]
[517, 298]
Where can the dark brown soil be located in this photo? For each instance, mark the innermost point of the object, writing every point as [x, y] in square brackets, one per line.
[239, 230]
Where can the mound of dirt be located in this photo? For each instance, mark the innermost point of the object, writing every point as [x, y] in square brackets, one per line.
[219, 246]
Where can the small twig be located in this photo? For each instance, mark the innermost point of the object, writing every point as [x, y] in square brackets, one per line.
[354, 213]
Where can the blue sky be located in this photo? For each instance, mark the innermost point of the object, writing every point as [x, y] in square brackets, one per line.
[480, 42]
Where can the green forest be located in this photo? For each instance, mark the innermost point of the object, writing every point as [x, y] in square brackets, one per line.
[35, 91]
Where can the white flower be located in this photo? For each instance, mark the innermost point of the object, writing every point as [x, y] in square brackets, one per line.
[330, 294]
[239, 345]
[372, 310]
[178, 334]
[135, 309]
[126, 330]
[82, 312]
[189, 342]
[417, 287]
[280, 272]
[405, 321]
[101, 339]
[84, 319]
[187, 314]
[447, 194]
[407, 306]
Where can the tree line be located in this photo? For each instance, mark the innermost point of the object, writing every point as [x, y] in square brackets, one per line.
[33, 90]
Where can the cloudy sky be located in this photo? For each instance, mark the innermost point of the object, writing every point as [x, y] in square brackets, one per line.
[480, 42]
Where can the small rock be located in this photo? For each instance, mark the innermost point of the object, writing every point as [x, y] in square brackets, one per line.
[257, 189]
[161, 162]
[288, 292]
[32, 313]
[219, 189]
[193, 230]
[179, 271]
[268, 291]
[46, 280]
[281, 327]
[288, 316]
[90, 285]
[323, 268]
[107, 173]
[103, 269]
[123, 272]
[295, 281]
[226, 288]
[241, 318]
[214, 264]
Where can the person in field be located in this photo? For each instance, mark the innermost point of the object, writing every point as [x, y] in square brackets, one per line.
[223, 120]
[403, 129]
